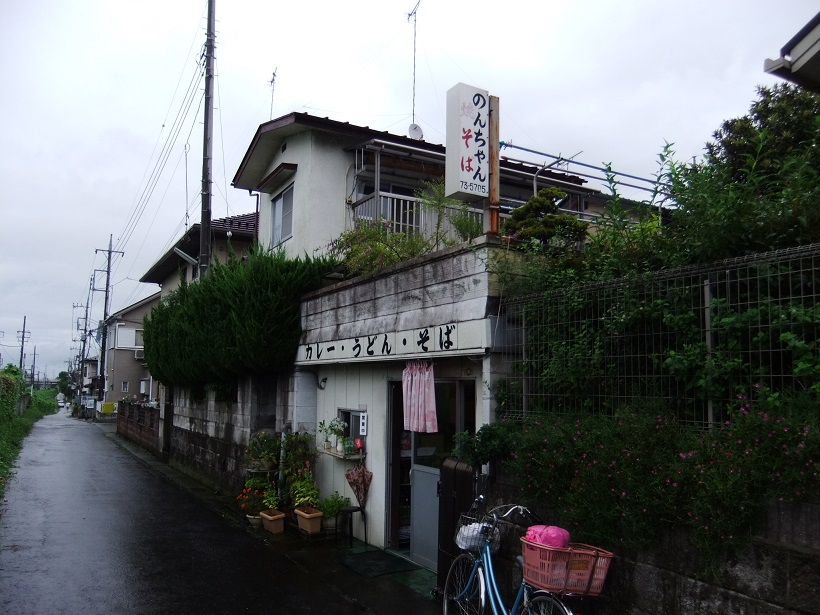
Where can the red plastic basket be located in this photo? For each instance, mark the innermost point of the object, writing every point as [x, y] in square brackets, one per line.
[579, 569]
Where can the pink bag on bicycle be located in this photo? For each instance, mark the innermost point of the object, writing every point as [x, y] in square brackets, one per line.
[549, 535]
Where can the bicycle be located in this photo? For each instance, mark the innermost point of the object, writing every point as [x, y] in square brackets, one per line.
[471, 582]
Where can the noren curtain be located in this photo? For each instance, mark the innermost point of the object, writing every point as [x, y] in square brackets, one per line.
[419, 391]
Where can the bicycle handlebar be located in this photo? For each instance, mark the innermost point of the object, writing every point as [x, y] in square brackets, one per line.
[521, 510]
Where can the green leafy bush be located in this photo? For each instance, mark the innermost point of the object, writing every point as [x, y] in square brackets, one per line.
[539, 222]
[242, 318]
[619, 481]
[303, 488]
[13, 429]
[300, 451]
[373, 245]
[333, 504]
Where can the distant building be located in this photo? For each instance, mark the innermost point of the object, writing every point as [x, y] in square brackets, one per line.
[126, 372]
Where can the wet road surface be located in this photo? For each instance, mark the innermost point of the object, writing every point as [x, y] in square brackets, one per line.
[89, 529]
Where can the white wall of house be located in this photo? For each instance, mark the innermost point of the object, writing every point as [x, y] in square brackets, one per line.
[364, 386]
[355, 386]
[319, 209]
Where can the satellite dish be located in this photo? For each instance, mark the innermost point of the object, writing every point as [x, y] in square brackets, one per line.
[414, 132]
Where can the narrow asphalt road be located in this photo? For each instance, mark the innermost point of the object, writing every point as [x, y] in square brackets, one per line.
[87, 528]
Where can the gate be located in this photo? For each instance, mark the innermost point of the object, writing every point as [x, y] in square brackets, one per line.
[456, 495]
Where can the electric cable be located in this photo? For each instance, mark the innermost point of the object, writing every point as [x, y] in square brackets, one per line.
[165, 121]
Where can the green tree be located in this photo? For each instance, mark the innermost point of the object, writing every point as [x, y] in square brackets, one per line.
[538, 222]
[758, 188]
[781, 123]
[64, 383]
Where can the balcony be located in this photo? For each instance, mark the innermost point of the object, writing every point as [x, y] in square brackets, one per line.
[404, 214]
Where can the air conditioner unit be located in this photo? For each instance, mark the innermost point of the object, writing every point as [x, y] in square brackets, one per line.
[139, 353]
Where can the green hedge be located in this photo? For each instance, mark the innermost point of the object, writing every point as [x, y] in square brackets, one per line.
[619, 480]
[242, 318]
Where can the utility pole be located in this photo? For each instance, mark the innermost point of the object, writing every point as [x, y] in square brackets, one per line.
[23, 336]
[33, 365]
[79, 366]
[110, 251]
[207, 144]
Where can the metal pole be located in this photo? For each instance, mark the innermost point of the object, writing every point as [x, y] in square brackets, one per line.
[105, 313]
[207, 145]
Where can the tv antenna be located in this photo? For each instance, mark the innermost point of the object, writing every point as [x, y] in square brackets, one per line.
[272, 83]
[414, 130]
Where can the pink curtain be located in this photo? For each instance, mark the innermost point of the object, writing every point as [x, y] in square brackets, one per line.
[419, 391]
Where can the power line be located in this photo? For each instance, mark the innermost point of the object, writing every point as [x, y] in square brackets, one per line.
[159, 165]
[139, 195]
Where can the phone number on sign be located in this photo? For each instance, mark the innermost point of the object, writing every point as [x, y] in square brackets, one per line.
[471, 187]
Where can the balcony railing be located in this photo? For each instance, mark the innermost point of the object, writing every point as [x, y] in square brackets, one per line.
[404, 214]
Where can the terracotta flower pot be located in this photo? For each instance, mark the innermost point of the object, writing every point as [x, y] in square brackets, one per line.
[309, 519]
[273, 520]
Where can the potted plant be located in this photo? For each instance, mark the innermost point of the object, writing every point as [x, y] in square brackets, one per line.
[324, 429]
[305, 496]
[331, 507]
[262, 451]
[252, 499]
[336, 428]
[273, 520]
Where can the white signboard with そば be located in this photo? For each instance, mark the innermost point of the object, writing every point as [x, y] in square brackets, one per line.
[468, 145]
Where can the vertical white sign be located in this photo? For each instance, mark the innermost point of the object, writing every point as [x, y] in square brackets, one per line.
[467, 167]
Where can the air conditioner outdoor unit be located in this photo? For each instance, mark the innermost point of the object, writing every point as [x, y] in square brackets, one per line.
[139, 354]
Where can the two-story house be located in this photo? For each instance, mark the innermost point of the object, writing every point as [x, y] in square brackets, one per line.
[126, 373]
[408, 357]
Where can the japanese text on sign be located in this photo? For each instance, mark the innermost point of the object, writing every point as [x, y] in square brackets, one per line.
[429, 340]
[467, 166]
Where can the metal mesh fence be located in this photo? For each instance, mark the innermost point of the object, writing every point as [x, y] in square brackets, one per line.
[692, 337]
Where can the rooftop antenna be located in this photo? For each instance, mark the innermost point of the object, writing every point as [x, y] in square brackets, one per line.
[272, 82]
[414, 131]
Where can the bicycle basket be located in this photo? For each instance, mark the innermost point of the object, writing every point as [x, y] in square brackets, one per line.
[578, 569]
[472, 533]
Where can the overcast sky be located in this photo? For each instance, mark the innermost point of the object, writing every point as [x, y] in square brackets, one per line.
[91, 90]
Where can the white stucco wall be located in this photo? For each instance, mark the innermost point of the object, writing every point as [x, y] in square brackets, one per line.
[366, 384]
[319, 209]
[350, 386]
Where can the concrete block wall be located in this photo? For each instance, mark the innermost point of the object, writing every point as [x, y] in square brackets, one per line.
[209, 437]
[452, 285]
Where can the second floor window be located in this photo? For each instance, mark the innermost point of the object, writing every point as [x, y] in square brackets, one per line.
[125, 386]
[282, 216]
[138, 339]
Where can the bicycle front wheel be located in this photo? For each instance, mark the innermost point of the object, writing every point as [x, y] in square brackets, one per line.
[545, 604]
[464, 595]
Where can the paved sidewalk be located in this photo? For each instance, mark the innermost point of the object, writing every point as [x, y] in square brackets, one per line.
[395, 593]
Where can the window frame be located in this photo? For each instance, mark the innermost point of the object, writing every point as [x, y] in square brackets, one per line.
[282, 216]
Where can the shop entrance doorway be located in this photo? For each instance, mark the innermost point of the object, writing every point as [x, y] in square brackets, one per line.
[415, 463]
